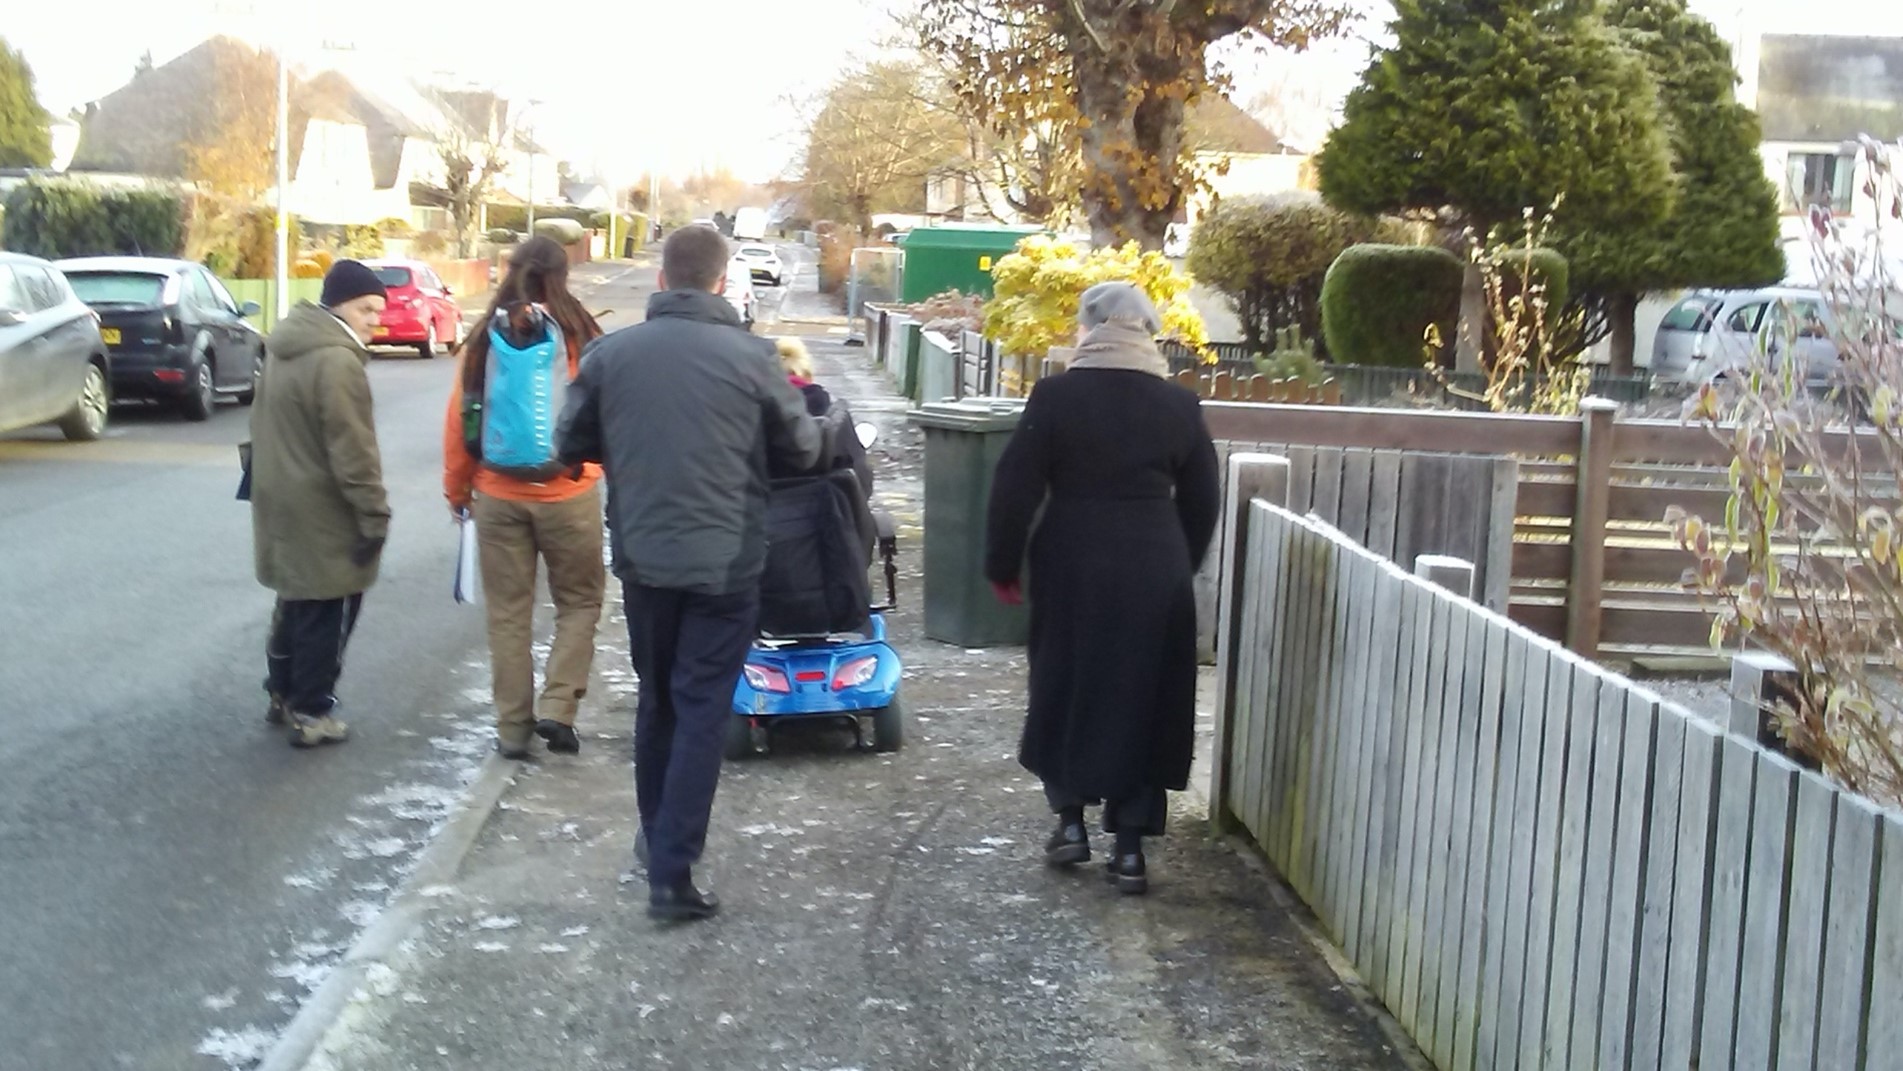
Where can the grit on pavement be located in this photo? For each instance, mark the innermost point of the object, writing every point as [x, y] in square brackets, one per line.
[880, 912]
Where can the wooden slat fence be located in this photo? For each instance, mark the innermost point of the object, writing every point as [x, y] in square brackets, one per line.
[1593, 563]
[1533, 862]
[1399, 504]
[1226, 386]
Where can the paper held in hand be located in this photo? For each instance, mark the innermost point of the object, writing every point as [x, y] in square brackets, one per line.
[467, 589]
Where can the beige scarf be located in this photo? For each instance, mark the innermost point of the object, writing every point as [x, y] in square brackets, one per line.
[1121, 344]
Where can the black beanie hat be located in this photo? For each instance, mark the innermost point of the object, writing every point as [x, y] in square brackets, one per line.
[350, 279]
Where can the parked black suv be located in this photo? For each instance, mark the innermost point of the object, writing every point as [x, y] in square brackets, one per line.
[173, 330]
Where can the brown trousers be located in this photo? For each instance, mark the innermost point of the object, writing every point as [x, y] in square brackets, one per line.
[513, 536]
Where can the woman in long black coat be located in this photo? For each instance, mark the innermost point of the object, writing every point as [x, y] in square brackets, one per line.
[1122, 464]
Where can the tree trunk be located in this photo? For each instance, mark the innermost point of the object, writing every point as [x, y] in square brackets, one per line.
[1132, 134]
[1470, 336]
[1622, 312]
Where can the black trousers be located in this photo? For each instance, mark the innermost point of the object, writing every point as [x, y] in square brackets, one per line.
[305, 655]
[1145, 814]
[688, 650]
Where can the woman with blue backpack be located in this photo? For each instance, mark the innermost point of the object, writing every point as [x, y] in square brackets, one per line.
[500, 467]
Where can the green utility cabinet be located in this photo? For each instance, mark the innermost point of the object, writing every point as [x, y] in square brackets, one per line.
[963, 441]
[955, 257]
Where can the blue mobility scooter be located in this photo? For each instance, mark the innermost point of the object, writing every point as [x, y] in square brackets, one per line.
[822, 653]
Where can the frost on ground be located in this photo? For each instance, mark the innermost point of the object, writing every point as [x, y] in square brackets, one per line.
[498, 922]
[220, 1001]
[237, 1048]
[314, 878]
[305, 974]
[575, 931]
[491, 946]
[360, 913]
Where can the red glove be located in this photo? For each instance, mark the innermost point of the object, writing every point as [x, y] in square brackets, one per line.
[1010, 594]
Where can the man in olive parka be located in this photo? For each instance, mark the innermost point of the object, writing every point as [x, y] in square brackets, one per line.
[319, 513]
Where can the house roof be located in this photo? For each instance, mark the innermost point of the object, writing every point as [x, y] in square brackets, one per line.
[1830, 89]
[1216, 124]
[148, 125]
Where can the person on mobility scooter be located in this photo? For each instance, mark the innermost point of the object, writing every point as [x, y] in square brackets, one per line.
[822, 651]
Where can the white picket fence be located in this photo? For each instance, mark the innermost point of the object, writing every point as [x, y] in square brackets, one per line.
[1533, 862]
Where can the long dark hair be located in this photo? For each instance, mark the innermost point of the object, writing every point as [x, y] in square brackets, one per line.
[538, 273]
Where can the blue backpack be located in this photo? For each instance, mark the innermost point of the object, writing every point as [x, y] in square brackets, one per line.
[511, 428]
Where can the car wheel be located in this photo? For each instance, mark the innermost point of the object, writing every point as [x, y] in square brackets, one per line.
[250, 394]
[203, 397]
[426, 349]
[86, 420]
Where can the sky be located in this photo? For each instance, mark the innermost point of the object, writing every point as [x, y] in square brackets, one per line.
[675, 85]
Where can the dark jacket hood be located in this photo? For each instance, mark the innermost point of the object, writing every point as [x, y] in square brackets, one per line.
[688, 304]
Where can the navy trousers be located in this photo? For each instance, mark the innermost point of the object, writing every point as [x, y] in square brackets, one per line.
[688, 649]
[305, 654]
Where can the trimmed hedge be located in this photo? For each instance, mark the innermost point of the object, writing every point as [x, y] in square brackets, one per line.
[1379, 300]
[1517, 266]
[66, 218]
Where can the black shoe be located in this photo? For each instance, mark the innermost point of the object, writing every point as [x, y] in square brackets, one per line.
[1129, 874]
[681, 903]
[641, 848]
[1068, 846]
[516, 754]
[561, 738]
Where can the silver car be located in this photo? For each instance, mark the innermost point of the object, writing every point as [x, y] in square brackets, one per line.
[53, 366]
[1712, 332]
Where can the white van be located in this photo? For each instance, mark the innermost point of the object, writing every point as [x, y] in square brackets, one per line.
[749, 225]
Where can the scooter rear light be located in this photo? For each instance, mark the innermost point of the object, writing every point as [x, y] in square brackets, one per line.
[810, 676]
[766, 679]
[855, 673]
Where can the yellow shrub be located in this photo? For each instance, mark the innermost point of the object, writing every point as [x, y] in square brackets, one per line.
[1037, 288]
[307, 269]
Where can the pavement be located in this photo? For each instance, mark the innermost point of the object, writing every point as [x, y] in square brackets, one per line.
[185, 893]
[880, 911]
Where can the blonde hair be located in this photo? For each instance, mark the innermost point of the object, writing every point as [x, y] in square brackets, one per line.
[794, 358]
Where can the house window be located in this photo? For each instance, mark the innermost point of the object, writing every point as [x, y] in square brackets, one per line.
[1822, 180]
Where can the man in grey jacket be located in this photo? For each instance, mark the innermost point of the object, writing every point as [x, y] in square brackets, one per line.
[686, 412]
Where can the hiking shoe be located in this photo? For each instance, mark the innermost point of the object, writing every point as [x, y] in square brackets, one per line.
[308, 731]
[561, 738]
[512, 752]
[277, 713]
[1068, 846]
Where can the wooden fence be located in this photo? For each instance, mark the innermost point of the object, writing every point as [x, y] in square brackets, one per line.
[1398, 504]
[1594, 565]
[1226, 386]
[1533, 862]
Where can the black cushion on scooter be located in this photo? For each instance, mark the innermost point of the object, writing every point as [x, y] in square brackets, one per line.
[815, 579]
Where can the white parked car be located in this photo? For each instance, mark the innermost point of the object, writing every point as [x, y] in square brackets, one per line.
[1709, 334]
[762, 263]
[739, 292]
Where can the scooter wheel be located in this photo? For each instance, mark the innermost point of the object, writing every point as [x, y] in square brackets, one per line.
[888, 726]
[739, 738]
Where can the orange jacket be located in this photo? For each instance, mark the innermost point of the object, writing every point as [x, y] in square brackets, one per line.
[463, 474]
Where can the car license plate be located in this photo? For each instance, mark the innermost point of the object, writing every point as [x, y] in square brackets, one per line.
[109, 335]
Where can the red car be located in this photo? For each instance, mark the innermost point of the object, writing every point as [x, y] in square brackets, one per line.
[421, 312]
